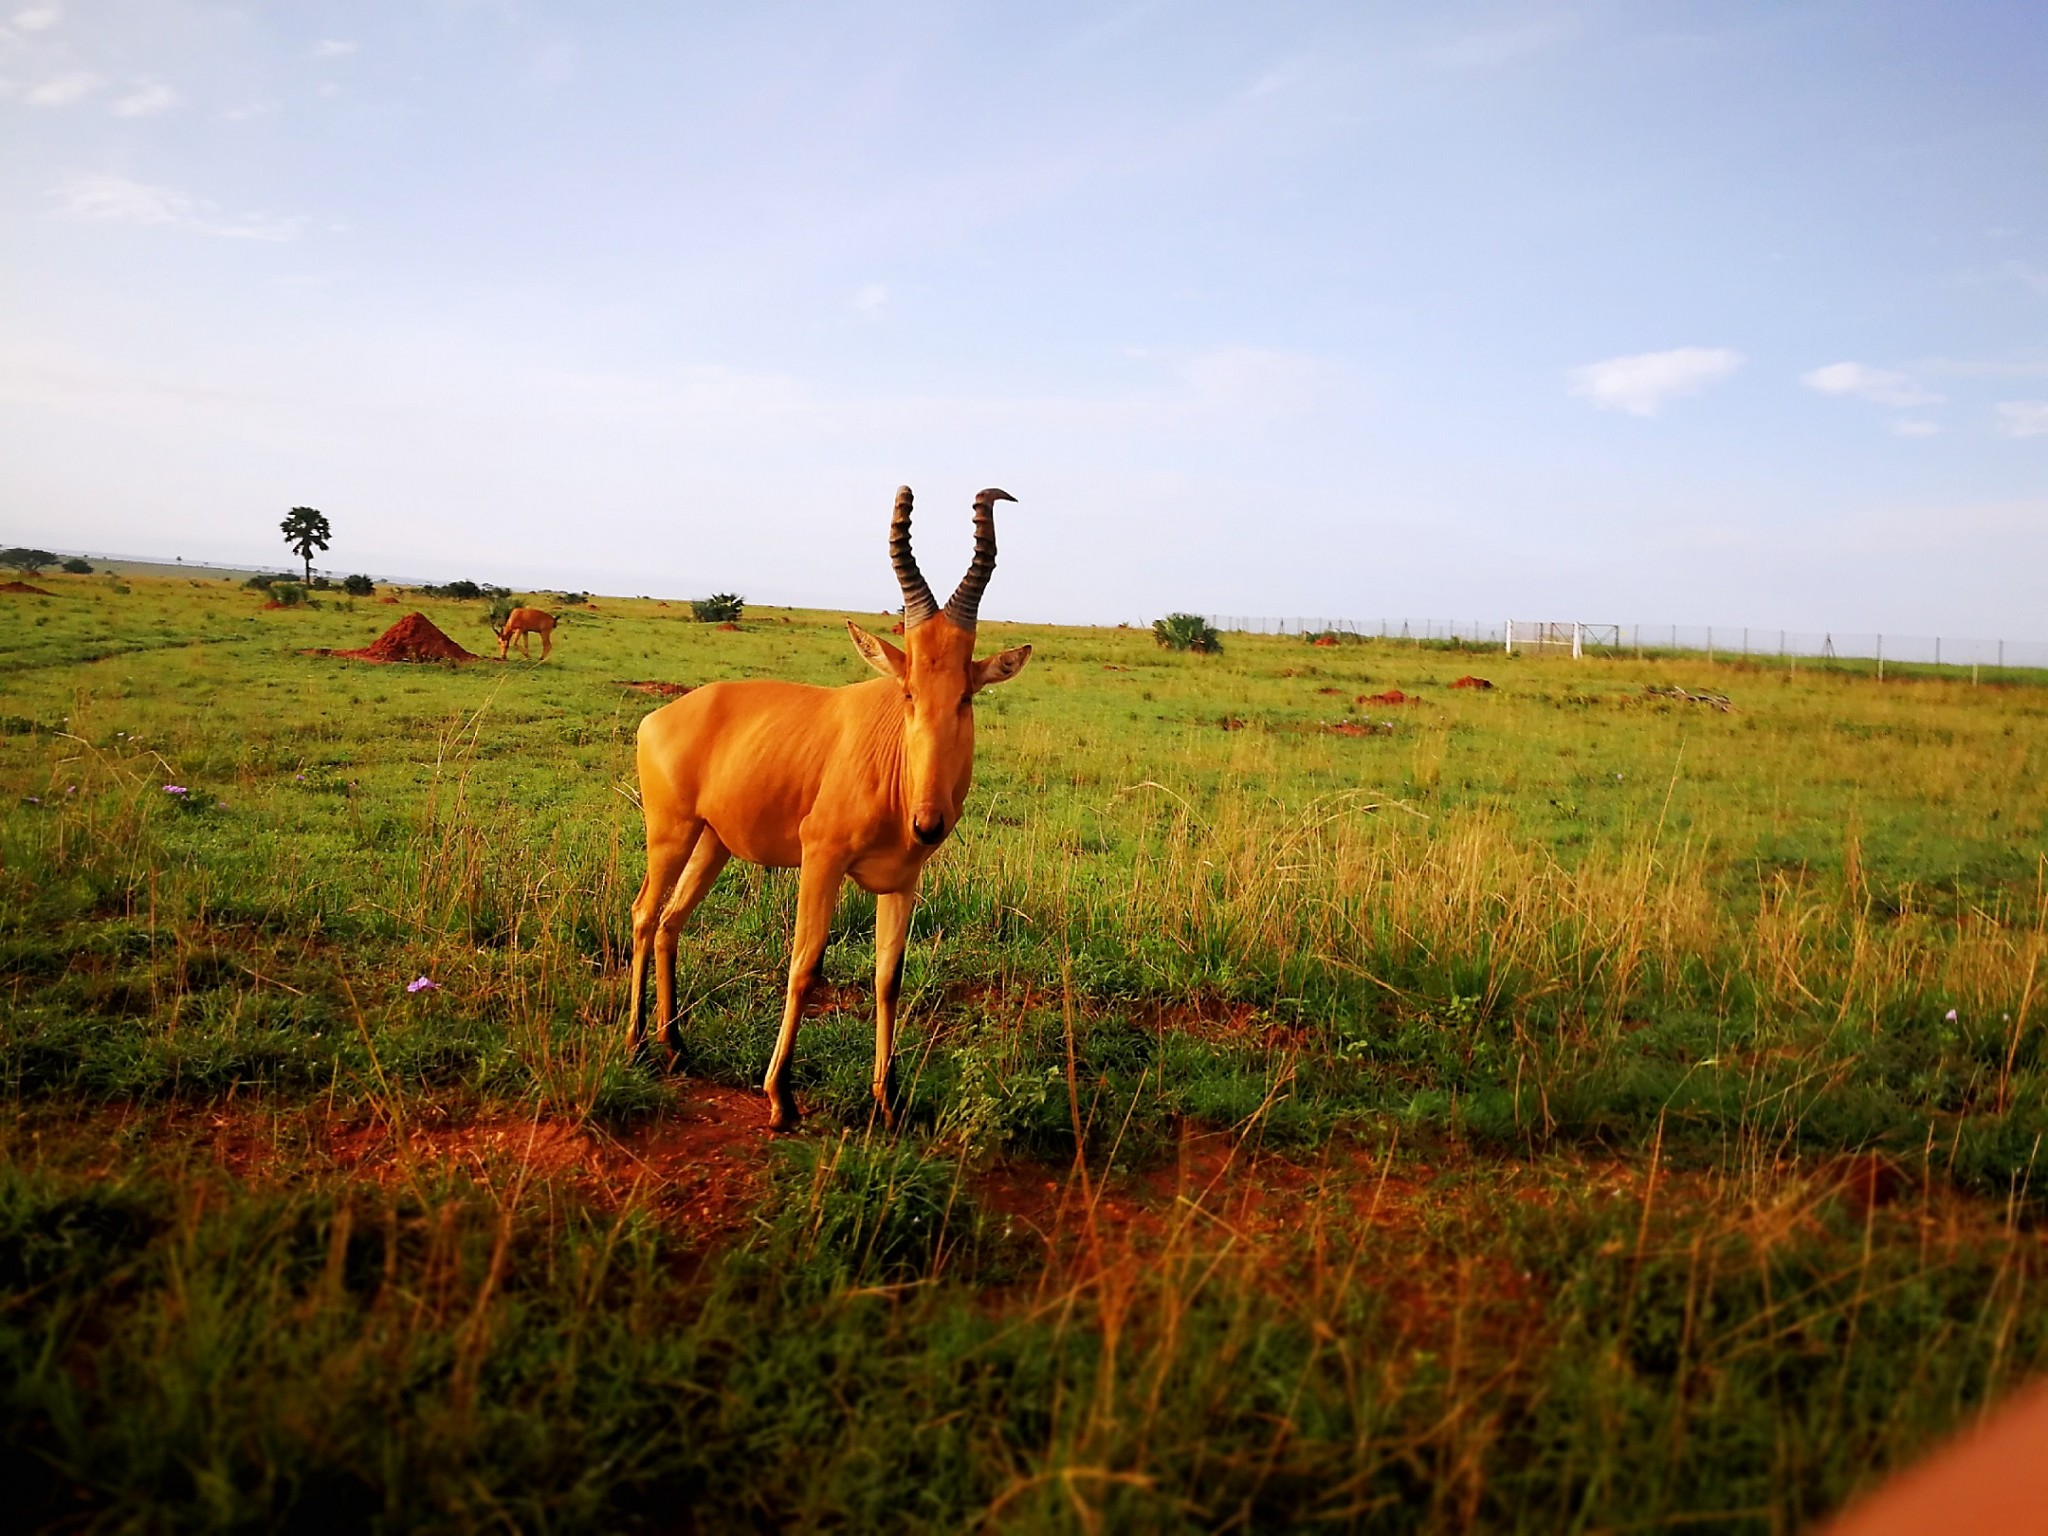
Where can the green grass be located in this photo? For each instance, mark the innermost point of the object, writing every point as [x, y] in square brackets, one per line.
[1546, 1032]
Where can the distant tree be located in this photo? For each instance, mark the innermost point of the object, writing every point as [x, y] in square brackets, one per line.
[1186, 632]
[78, 567]
[306, 530]
[461, 589]
[572, 599]
[718, 608]
[359, 586]
[30, 560]
[260, 582]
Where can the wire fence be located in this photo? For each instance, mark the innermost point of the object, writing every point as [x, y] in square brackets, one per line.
[1711, 640]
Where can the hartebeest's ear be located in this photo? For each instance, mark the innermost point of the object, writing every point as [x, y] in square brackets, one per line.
[879, 654]
[999, 668]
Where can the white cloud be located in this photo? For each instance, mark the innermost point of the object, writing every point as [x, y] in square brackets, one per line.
[1880, 386]
[1642, 384]
[1916, 428]
[1496, 46]
[2023, 418]
[253, 109]
[146, 100]
[2032, 276]
[872, 299]
[62, 90]
[38, 18]
[117, 200]
[334, 48]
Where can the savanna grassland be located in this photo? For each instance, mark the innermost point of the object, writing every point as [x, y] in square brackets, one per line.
[1554, 1108]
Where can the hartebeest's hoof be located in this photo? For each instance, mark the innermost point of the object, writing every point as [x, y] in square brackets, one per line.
[782, 1112]
[889, 1103]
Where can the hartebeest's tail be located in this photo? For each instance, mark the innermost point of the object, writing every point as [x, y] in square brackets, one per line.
[965, 604]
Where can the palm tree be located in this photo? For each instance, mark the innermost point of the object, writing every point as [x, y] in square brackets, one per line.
[306, 530]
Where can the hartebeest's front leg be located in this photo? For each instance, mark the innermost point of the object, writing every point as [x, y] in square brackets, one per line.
[816, 892]
[892, 932]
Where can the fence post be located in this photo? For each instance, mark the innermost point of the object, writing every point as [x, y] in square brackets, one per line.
[1578, 629]
[1880, 658]
[1510, 631]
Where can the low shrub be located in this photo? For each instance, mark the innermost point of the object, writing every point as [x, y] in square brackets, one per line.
[718, 608]
[359, 586]
[1187, 632]
[78, 567]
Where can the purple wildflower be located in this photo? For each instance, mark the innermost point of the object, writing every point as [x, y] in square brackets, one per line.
[422, 984]
[176, 789]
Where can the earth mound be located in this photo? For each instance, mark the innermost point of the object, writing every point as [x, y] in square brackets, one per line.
[413, 638]
[1391, 696]
[22, 586]
[660, 690]
[1472, 682]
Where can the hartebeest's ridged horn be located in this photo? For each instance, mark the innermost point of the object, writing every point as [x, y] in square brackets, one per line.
[918, 604]
[965, 602]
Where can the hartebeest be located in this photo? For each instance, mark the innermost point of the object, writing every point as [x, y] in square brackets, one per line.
[863, 781]
[523, 624]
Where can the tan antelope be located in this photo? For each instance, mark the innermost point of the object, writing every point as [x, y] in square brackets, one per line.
[861, 782]
[523, 624]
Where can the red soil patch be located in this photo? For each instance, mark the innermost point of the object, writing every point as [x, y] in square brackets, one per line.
[391, 600]
[1355, 728]
[728, 626]
[1324, 640]
[1471, 682]
[1391, 696]
[660, 690]
[22, 586]
[413, 638]
[699, 1164]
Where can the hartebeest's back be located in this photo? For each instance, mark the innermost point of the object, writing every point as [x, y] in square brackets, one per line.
[862, 782]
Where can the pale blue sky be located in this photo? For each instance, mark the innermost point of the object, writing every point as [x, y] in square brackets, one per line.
[1658, 313]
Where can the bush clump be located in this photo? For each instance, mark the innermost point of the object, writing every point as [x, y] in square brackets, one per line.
[78, 567]
[287, 594]
[718, 608]
[359, 586]
[1187, 632]
[466, 590]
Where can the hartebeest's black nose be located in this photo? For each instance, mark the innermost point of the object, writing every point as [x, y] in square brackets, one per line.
[928, 832]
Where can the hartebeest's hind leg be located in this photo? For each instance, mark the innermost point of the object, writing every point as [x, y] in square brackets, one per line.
[698, 876]
[892, 932]
[669, 848]
[547, 643]
[816, 893]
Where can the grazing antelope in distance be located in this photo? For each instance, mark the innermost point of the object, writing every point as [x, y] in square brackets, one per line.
[860, 782]
[524, 624]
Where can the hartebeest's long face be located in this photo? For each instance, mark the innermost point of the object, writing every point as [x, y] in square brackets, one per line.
[939, 677]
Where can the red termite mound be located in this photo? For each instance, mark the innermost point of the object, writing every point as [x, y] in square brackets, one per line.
[22, 586]
[413, 638]
[1471, 682]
